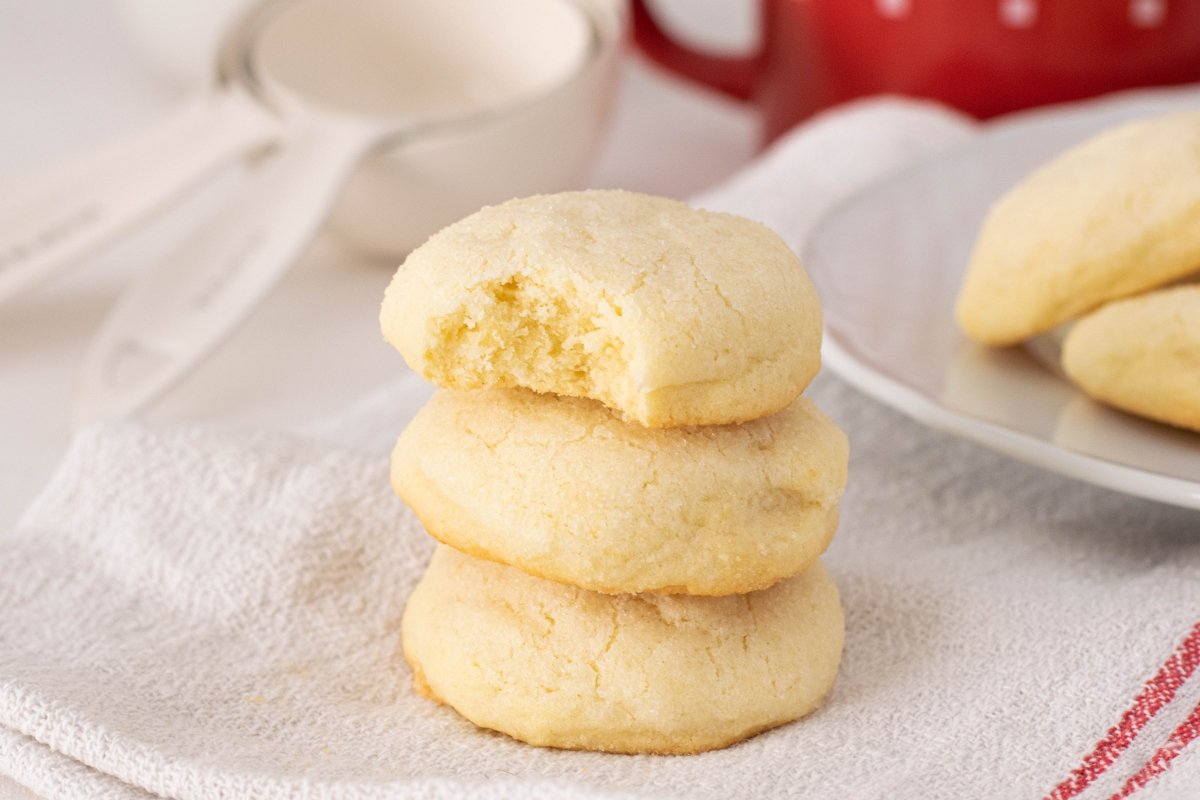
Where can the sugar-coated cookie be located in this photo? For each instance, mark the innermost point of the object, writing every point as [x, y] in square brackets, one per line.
[1142, 355]
[565, 489]
[558, 666]
[671, 315]
[1112, 217]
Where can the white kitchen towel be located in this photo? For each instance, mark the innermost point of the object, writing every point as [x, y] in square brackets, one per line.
[205, 613]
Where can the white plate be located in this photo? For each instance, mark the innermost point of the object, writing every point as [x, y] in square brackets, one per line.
[888, 264]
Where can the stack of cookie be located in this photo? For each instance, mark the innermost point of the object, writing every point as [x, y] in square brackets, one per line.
[1099, 239]
[630, 493]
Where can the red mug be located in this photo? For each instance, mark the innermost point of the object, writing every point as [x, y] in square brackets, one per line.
[985, 57]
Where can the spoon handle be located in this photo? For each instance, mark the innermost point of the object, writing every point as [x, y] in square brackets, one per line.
[175, 313]
[52, 219]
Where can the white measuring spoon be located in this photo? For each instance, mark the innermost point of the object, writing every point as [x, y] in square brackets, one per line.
[56, 217]
[317, 53]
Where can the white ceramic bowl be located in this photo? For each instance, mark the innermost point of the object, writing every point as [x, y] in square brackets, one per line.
[418, 184]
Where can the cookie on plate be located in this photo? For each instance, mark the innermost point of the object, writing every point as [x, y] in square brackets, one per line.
[1112, 217]
[671, 315]
[565, 489]
[1142, 355]
[559, 666]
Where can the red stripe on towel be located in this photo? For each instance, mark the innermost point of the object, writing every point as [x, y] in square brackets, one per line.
[1157, 692]
[1181, 737]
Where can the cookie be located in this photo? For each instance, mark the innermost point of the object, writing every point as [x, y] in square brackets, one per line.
[1112, 217]
[563, 488]
[1142, 355]
[558, 666]
[671, 315]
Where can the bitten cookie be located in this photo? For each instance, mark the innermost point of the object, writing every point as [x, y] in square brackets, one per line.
[564, 489]
[671, 315]
[1112, 217]
[558, 666]
[1142, 355]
